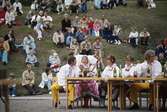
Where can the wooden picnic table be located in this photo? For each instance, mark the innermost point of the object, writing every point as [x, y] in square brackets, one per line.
[110, 81]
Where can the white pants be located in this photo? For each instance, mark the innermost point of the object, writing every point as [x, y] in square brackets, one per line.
[39, 32]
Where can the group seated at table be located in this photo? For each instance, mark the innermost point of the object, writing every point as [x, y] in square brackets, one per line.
[85, 66]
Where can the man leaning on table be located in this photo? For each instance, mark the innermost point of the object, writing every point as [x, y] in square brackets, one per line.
[150, 67]
[68, 70]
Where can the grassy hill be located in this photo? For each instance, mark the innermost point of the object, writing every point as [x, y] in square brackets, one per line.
[154, 20]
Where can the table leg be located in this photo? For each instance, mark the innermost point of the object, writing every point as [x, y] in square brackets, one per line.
[67, 95]
[157, 93]
[109, 96]
[122, 97]
[154, 94]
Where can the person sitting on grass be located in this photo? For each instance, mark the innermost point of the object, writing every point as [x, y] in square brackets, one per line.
[12, 40]
[46, 79]
[74, 6]
[28, 43]
[144, 37]
[54, 62]
[133, 37]
[74, 47]
[104, 4]
[18, 7]
[28, 19]
[86, 48]
[83, 6]
[38, 25]
[60, 7]
[151, 4]
[32, 59]
[10, 18]
[69, 70]
[58, 38]
[65, 23]
[35, 5]
[47, 21]
[12, 86]
[6, 49]
[28, 80]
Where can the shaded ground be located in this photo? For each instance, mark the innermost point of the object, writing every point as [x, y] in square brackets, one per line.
[43, 104]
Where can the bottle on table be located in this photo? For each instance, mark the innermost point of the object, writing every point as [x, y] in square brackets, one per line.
[165, 70]
[149, 71]
[120, 71]
[115, 73]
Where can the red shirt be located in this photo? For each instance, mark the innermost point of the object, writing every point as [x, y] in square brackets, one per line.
[90, 24]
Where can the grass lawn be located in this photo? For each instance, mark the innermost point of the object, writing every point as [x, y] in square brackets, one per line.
[154, 20]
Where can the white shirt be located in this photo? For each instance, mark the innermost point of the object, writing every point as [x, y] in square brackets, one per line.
[47, 18]
[34, 6]
[15, 5]
[54, 60]
[67, 2]
[31, 59]
[67, 71]
[144, 34]
[9, 16]
[156, 68]
[57, 37]
[91, 58]
[133, 34]
[37, 18]
[46, 77]
[109, 71]
[128, 70]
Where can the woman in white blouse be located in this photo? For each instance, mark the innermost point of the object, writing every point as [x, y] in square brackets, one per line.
[58, 38]
[110, 71]
[87, 87]
[129, 68]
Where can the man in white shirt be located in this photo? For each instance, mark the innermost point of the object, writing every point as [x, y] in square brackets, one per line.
[18, 7]
[151, 4]
[133, 37]
[9, 18]
[47, 21]
[144, 36]
[38, 25]
[150, 67]
[68, 70]
[34, 5]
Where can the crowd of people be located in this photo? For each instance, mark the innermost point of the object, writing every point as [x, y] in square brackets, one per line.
[85, 56]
